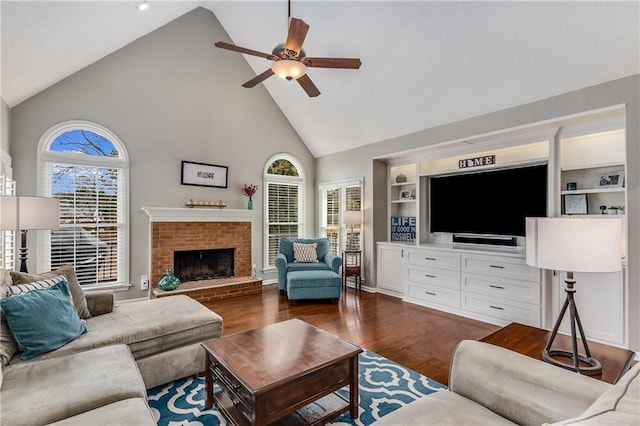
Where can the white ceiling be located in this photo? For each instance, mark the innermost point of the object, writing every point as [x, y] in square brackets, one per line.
[424, 63]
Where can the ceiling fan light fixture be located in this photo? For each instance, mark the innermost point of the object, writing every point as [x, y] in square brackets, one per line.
[288, 69]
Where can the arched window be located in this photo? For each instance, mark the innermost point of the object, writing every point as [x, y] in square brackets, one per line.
[85, 166]
[284, 202]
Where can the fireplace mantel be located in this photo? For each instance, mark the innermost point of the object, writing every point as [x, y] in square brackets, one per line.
[200, 214]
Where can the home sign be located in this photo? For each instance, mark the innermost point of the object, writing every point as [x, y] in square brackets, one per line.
[485, 160]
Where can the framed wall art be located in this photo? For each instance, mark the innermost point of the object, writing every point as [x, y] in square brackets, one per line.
[202, 174]
[575, 204]
[611, 180]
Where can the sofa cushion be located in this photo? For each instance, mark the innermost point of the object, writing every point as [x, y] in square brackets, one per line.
[45, 391]
[305, 253]
[79, 300]
[132, 411]
[147, 327]
[8, 347]
[620, 405]
[42, 319]
[442, 408]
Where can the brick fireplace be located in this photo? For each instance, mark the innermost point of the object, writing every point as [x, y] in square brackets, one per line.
[177, 230]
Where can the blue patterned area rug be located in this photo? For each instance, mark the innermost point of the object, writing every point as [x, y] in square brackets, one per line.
[385, 386]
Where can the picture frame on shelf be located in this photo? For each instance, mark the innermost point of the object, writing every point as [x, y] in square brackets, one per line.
[575, 204]
[611, 180]
[202, 174]
[405, 195]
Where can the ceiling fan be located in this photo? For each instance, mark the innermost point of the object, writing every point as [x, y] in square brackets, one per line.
[290, 61]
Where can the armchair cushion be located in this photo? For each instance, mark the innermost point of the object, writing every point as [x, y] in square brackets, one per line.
[305, 253]
[285, 246]
[79, 300]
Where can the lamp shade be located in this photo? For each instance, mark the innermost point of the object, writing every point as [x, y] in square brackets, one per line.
[574, 244]
[29, 213]
[288, 69]
[352, 217]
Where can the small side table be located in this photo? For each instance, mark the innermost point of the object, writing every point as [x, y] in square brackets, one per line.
[352, 267]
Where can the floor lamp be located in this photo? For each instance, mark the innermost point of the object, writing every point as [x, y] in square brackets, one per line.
[28, 213]
[351, 218]
[573, 245]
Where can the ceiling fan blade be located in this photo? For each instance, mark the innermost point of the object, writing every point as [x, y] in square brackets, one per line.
[258, 79]
[351, 63]
[297, 32]
[308, 86]
[229, 46]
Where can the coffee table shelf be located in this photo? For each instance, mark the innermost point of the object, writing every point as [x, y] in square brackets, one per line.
[316, 413]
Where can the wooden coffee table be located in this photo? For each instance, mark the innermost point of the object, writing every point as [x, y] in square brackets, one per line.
[531, 341]
[289, 369]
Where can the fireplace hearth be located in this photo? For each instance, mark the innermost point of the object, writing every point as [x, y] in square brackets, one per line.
[198, 265]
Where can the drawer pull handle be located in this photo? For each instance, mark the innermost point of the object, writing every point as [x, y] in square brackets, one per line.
[496, 286]
[496, 266]
[429, 293]
[496, 307]
[429, 258]
[429, 276]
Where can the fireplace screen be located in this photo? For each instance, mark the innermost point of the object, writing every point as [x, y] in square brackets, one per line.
[196, 265]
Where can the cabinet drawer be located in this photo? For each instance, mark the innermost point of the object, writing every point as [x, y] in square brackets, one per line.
[503, 309]
[434, 294]
[522, 291]
[434, 276]
[433, 258]
[505, 267]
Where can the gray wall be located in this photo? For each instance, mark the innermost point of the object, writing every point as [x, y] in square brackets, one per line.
[169, 96]
[5, 118]
[358, 162]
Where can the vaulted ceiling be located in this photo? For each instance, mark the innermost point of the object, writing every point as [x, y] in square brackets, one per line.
[424, 63]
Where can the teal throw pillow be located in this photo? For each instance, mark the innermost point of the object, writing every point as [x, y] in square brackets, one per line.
[42, 320]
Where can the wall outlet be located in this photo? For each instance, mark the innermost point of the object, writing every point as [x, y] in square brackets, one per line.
[144, 282]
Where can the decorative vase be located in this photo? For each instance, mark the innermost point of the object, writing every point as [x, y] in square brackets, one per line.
[250, 204]
[169, 281]
[401, 178]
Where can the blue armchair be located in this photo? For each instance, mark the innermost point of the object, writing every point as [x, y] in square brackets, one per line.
[285, 261]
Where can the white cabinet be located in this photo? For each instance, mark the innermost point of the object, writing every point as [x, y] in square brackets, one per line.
[390, 270]
[497, 288]
[600, 304]
[501, 287]
[586, 156]
[433, 278]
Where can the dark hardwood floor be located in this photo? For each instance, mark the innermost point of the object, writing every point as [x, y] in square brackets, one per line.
[420, 338]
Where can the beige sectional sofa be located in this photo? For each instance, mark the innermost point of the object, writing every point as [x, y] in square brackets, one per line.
[489, 385]
[101, 377]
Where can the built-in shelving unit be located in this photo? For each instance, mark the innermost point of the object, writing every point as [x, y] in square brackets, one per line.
[578, 150]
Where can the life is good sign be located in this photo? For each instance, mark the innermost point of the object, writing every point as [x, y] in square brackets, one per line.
[485, 160]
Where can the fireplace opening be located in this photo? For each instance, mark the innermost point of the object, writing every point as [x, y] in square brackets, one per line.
[197, 265]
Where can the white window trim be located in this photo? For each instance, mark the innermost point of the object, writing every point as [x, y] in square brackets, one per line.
[122, 162]
[267, 178]
[321, 210]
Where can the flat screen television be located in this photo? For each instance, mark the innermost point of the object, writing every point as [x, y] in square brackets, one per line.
[488, 203]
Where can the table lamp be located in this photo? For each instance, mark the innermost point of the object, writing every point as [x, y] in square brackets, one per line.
[351, 218]
[573, 245]
[25, 213]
